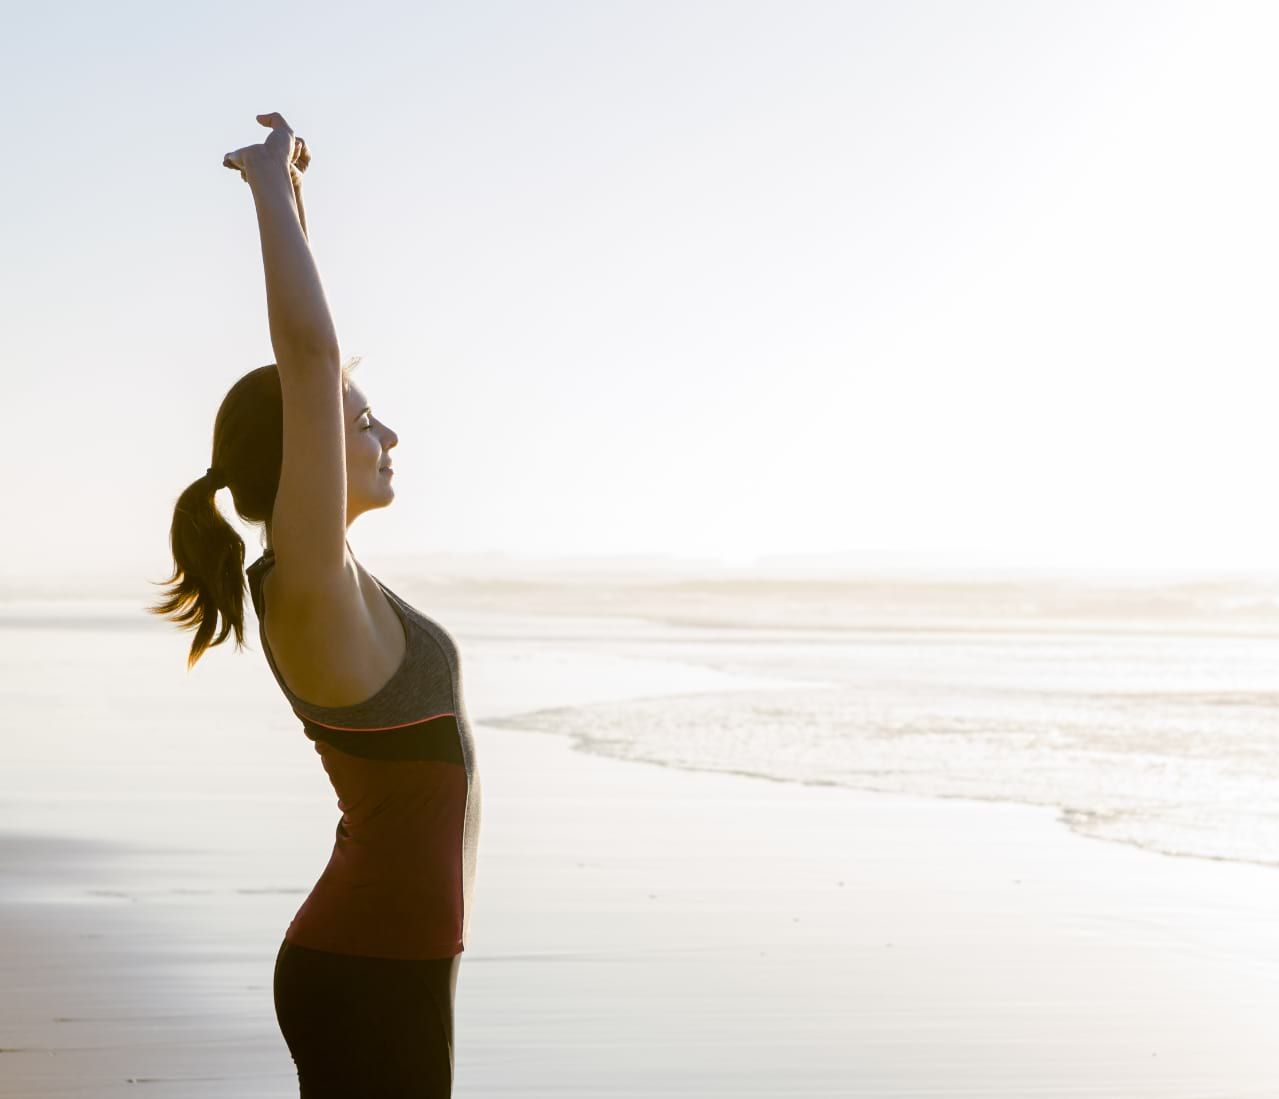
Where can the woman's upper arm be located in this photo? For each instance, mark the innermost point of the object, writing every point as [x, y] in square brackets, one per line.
[308, 522]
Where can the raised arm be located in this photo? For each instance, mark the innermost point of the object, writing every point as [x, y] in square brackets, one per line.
[298, 313]
[308, 520]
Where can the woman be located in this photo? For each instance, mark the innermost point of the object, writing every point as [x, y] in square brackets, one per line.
[365, 977]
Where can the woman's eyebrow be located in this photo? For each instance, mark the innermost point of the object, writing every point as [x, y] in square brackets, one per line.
[362, 411]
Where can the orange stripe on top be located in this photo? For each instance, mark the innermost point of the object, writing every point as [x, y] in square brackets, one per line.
[372, 728]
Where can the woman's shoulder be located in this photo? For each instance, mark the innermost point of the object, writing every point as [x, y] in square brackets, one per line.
[334, 648]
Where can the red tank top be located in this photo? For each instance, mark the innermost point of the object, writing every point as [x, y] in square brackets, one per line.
[402, 762]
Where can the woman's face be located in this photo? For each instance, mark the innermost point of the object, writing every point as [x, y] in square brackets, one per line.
[368, 445]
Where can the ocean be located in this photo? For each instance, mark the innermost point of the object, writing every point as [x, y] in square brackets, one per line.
[1144, 712]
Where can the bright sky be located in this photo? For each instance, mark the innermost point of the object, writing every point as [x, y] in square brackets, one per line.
[988, 283]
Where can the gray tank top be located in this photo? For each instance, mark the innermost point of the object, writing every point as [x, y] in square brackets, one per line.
[401, 877]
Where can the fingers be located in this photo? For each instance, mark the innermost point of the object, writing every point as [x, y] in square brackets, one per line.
[274, 119]
[233, 161]
[301, 155]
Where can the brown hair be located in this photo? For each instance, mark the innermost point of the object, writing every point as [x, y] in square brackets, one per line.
[248, 447]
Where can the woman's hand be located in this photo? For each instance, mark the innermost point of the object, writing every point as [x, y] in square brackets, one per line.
[281, 149]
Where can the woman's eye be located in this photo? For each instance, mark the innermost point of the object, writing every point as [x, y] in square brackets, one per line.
[367, 426]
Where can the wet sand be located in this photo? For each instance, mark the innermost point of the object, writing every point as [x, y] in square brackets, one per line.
[642, 931]
[639, 930]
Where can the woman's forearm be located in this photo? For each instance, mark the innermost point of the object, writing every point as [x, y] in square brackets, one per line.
[296, 308]
[299, 205]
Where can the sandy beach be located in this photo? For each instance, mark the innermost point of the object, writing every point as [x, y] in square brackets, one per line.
[645, 931]
[640, 930]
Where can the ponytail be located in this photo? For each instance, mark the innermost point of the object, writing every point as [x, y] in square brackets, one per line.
[208, 576]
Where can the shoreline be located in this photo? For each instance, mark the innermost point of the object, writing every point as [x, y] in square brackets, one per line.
[587, 746]
[639, 931]
[751, 937]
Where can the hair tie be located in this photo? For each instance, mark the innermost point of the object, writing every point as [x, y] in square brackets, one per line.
[216, 476]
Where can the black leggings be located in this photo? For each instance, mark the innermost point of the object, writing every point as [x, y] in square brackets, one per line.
[373, 1028]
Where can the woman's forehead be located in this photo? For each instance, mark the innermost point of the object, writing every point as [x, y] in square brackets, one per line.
[354, 396]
